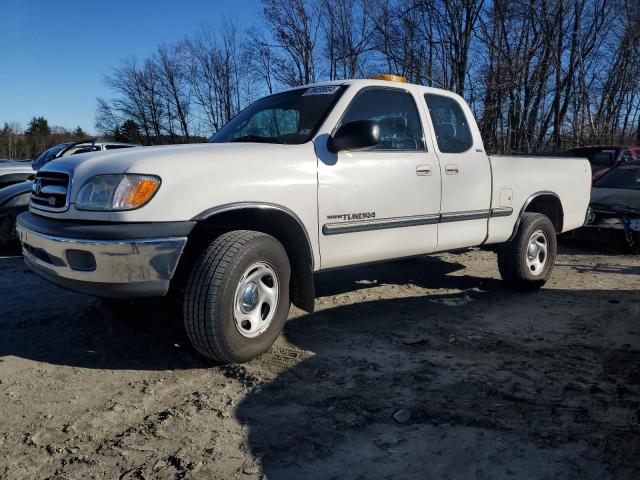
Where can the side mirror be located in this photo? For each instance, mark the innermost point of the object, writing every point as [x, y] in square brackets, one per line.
[357, 135]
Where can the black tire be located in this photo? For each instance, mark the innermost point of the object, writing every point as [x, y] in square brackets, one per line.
[635, 248]
[8, 229]
[210, 296]
[512, 256]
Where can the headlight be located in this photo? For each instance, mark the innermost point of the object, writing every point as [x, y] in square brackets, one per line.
[117, 192]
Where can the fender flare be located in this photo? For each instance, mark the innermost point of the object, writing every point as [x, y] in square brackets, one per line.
[230, 207]
[527, 202]
[303, 287]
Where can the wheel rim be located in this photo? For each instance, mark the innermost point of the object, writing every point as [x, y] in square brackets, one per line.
[537, 252]
[256, 300]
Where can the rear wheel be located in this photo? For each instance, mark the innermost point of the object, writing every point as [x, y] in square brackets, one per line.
[526, 262]
[237, 297]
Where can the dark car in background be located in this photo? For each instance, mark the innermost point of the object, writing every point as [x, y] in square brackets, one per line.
[14, 197]
[13, 200]
[14, 171]
[614, 210]
[605, 157]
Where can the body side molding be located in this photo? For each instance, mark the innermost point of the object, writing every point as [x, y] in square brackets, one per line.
[501, 212]
[463, 216]
[412, 221]
[379, 224]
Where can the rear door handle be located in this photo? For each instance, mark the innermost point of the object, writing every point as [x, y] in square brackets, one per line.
[452, 170]
[423, 170]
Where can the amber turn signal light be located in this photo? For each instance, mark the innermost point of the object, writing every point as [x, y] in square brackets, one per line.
[134, 191]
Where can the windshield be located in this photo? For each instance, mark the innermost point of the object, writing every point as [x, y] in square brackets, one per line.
[50, 154]
[291, 117]
[596, 156]
[626, 176]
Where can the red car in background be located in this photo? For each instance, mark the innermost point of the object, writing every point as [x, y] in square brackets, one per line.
[606, 157]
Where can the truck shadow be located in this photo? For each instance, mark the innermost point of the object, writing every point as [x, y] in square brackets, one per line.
[501, 385]
[41, 322]
[472, 381]
[424, 272]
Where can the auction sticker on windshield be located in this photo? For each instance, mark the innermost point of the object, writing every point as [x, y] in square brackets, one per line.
[326, 90]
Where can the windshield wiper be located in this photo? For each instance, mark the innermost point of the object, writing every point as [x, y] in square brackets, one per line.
[255, 138]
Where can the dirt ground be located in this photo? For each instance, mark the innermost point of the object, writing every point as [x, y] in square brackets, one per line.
[428, 368]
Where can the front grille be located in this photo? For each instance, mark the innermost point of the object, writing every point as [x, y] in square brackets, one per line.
[49, 191]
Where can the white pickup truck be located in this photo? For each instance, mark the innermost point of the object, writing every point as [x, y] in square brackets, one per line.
[317, 177]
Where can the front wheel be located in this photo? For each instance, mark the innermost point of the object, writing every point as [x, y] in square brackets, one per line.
[526, 262]
[237, 297]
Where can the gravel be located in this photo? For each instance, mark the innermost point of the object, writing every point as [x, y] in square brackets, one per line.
[429, 368]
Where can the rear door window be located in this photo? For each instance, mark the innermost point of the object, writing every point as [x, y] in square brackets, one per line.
[449, 123]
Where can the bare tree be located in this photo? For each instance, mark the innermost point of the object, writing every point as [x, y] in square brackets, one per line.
[215, 74]
[295, 27]
[539, 74]
[347, 29]
[260, 58]
[175, 88]
[458, 20]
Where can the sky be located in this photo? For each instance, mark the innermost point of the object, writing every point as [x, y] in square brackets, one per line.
[54, 54]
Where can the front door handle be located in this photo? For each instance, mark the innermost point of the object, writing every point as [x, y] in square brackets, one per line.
[452, 170]
[423, 170]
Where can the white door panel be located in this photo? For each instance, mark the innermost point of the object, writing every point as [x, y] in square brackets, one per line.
[384, 202]
[383, 195]
[465, 194]
[466, 173]
[468, 187]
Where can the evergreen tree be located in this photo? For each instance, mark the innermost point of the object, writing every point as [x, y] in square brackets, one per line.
[79, 133]
[130, 132]
[38, 126]
[117, 135]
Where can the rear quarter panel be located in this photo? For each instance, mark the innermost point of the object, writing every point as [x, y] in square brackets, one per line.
[516, 179]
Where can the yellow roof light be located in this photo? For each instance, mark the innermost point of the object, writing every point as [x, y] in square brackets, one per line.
[390, 78]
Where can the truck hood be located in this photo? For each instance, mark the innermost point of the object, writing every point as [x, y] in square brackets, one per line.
[152, 159]
[196, 177]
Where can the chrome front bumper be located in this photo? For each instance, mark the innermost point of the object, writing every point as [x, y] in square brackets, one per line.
[108, 268]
